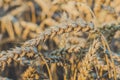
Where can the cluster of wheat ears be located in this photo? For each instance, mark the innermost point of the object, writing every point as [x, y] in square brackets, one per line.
[59, 39]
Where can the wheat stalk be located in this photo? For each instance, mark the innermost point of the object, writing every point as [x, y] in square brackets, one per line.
[17, 54]
[78, 25]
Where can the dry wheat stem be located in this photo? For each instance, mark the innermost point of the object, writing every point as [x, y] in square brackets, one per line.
[89, 57]
[78, 25]
[17, 54]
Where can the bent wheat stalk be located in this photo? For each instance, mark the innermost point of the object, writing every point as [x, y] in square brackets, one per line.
[78, 25]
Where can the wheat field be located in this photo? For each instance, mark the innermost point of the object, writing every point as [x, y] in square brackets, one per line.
[59, 39]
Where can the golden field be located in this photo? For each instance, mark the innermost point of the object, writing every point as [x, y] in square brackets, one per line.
[59, 39]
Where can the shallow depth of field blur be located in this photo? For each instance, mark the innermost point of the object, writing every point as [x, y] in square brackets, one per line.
[59, 39]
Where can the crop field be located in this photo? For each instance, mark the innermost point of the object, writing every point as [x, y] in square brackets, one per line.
[59, 39]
